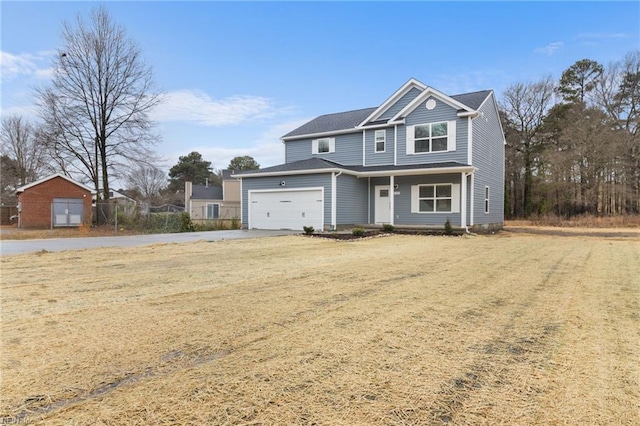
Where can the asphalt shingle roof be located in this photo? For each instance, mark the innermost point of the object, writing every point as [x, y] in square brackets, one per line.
[319, 164]
[350, 119]
[203, 192]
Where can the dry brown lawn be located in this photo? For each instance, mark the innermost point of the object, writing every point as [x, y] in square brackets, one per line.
[403, 330]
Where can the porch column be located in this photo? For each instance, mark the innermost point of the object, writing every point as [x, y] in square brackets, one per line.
[334, 199]
[391, 199]
[463, 201]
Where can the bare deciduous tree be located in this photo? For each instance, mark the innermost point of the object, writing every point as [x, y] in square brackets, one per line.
[147, 180]
[22, 144]
[97, 107]
[524, 107]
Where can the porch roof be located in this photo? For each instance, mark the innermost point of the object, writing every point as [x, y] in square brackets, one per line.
[319, 165]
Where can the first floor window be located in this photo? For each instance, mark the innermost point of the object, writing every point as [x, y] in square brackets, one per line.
[380, 137]
[435, 198]
[486, 199]
[213, 211]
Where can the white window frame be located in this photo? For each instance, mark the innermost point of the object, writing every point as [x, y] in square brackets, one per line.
[455, 198]
[450, 136]
[487, 194]
[315, 145]
[206, 214]
[377, 140]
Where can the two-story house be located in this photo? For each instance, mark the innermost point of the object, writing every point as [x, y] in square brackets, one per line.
[418, 159]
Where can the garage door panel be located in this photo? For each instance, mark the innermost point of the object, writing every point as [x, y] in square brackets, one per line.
[286, 209]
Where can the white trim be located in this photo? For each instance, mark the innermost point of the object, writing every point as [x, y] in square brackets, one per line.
[315, 146]
[312, 188]
[472, 201]
[429, 91]
[364, 147]
[395, 97]
[469, 140]
[463, 200]
[381, 126]
[53, 176]
[320, 134]
[295, 172]
[375, 141]
[369, 200]
[410, 172]
[334, 199]
[241, 204]
[395, 145]
[455, 198]
[451, 138]
[391, 198]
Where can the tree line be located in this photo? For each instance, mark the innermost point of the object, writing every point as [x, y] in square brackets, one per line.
[572, 145]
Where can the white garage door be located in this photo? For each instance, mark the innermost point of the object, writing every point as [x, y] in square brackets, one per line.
[286, 209]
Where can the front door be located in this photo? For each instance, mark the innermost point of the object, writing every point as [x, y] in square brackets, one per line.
[382, 204]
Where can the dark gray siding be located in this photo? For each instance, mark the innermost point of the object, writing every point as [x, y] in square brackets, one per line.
[488, 157]
[379, 158]
[402, 206]
[348, 150]
[421, 115]
[402, 102]
[296, 181]
[351, 200]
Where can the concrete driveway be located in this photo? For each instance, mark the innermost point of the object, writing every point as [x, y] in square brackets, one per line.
[8, 247]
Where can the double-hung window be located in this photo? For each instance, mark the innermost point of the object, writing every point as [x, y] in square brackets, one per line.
[435, 198]
[213, 211]
[380, 140]
[431, 137]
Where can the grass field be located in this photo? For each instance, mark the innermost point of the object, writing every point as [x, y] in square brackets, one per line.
[402, 330]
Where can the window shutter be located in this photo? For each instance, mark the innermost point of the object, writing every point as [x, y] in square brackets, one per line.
[451, 140]
[455, 198]
[332, 145]
[415, 205]
[314, 146]
[411, 148]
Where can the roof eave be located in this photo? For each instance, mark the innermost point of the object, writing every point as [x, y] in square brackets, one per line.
[425, 171]
[320, 134]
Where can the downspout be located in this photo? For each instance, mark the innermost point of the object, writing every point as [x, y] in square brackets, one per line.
[334, 198]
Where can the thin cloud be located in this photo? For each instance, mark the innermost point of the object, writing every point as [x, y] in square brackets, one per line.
[25, 64]
[550, 48]
[599, 36]
[200, 108]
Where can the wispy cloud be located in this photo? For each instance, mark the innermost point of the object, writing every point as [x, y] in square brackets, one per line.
[550, 48]
[599, 36]
[266, 148]
[25, 64]
[200, 108]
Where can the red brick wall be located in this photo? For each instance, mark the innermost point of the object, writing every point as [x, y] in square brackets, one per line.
[36, 202]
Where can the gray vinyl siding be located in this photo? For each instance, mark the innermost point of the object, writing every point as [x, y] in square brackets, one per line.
[488, 156]
[402, 201]
[402, 102]
[348, 150]
[421, 115]
[351, 200]
[373, 158]
[296, 181]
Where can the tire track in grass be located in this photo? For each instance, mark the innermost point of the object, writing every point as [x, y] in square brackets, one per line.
[509, 347]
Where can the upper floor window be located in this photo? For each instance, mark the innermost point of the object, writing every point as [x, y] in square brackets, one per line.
[380, 140]
[323, 145]
[431, 137]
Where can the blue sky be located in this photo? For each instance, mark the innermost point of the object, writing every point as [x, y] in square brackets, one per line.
[239, 75]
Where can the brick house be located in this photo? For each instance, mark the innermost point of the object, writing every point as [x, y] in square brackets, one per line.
[54, 201]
